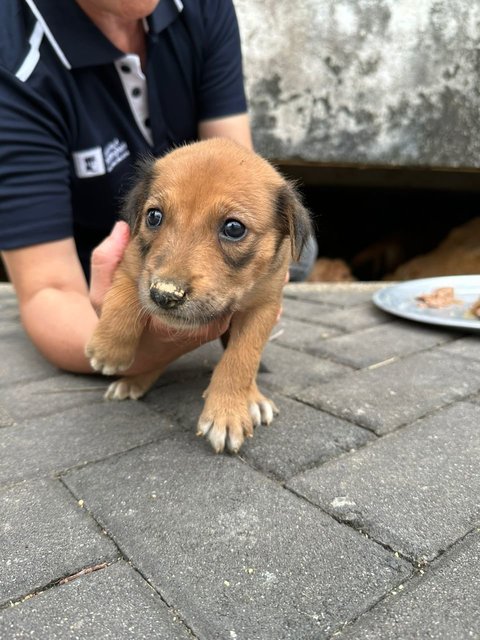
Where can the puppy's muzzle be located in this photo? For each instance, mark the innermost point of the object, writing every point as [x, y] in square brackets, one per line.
[167, 295]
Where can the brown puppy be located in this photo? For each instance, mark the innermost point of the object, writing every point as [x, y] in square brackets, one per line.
[214, 227]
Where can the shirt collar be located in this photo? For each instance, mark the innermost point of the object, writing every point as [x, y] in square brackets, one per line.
[76, 39]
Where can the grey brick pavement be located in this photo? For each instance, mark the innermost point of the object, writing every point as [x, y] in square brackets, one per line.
[218, 568]
[111, 603]
[44, 536]
[417, 491]
[356, 513]
[439, 605]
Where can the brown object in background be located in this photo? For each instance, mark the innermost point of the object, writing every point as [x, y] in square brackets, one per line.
[330, 270]
[458, 254]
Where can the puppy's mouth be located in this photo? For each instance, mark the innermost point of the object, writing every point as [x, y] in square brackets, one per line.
[176, 306]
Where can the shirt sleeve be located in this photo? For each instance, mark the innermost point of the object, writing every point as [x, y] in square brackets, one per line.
[222, 91]
[35, 201]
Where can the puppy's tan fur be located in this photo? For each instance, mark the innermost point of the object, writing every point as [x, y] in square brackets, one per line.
[197, 188]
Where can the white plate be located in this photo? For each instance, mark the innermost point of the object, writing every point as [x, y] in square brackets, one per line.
[400, 299]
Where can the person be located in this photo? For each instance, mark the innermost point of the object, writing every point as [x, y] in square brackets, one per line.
[86, 88]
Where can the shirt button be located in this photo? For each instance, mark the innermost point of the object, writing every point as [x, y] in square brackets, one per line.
[136, 91]
[125, 68]
[147, 122]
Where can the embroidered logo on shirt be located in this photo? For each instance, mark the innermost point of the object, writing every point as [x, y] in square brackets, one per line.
[89, 163]
[114, 152]
[96, 161]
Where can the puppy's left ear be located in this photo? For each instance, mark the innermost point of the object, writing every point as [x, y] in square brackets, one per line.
[293, 218]
[134, 200]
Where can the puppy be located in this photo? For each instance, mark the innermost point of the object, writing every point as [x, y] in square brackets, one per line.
[213, 229]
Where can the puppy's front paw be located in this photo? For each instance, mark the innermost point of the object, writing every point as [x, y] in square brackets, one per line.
[123, 389]
[133, 387]
[226, 422]
[108, 361]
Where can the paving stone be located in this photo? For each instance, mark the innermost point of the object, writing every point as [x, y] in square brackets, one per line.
[465, 347]
[52, 395]
[300, 335]
[9, 314]
[415, 491]
[180, 402]
[377, 344]
[21, 362]
[360, 317]
[337, 294]
[44, 536]
[10, 328]
[290, 371]
[395, 394]
[237, 555]
[442, 605]
[6, 419]
[298, 438]
[53, 443]
[305, 310]
[114, 603]
[8, 299]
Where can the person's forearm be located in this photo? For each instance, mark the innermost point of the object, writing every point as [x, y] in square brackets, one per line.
[59, 323]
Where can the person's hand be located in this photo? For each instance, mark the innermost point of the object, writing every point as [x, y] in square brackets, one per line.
[105, 259]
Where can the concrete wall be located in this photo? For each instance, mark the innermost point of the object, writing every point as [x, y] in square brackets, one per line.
[392, 82]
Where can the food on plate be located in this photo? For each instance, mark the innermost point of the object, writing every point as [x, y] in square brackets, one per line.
[475, 309]
[438, 299]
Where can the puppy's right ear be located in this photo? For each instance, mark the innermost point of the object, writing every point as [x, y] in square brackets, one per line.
[132, 205]
[293, 218]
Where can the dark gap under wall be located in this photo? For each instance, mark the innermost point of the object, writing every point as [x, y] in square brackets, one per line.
[377, 219]
[400, 223]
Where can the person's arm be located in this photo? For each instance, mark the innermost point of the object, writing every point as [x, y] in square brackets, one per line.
[234, 127]
[53, 300]
[58, 311]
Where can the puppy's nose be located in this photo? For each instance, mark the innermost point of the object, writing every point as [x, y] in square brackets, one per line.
[167, 295]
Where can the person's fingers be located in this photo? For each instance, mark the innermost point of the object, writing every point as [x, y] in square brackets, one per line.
[105, 259]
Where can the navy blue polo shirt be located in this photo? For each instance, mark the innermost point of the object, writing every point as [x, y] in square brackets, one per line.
[76, 113]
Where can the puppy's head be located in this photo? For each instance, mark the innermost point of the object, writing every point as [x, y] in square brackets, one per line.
[211, 223]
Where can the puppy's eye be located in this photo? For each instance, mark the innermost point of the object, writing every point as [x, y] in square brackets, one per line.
[154, 218]
[233, 230]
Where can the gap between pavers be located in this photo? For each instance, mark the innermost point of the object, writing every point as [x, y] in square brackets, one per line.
[397, 393]
[442, 604]
[415, 491]
[20, 362]
[233, 552]
[44, 536]
[113, 603]
[49, 444]
[378, 344]
[52, 395]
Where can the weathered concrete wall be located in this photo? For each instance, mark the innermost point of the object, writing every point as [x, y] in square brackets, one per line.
[394, 82]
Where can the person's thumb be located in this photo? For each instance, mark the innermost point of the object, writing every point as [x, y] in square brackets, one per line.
[105, 259]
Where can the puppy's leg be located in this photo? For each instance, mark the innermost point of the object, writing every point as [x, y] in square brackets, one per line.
[233, 403]
[113, 344]
[133, 387]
